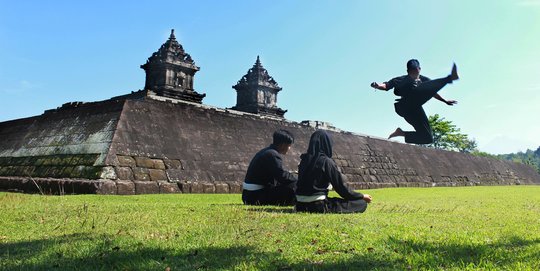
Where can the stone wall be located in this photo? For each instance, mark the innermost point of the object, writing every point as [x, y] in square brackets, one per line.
[153, 145]
[201, 149]
[69, 142]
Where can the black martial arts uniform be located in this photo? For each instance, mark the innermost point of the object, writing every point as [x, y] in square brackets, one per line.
[266, 182]
[415, 93]
[316, 171]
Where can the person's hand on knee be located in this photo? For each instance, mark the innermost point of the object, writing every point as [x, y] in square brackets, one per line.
[367, 198]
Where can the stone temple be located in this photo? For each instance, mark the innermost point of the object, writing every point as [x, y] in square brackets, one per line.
[163, 139]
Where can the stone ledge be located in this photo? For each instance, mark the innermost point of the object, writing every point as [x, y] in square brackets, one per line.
[146, 187]
[167, 188]
[125, 188]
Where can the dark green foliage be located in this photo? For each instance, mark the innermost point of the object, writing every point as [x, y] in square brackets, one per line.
[528, 157]
[55, 166]
[447, 136]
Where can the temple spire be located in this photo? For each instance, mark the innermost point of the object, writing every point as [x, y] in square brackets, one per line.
[170, 72]
[257, 92]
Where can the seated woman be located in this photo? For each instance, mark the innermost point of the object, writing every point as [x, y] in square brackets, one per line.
[317, 170]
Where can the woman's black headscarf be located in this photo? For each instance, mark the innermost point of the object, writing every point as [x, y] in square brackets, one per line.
[320, 146]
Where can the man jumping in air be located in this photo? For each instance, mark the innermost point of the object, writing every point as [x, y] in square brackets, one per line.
[415, 90]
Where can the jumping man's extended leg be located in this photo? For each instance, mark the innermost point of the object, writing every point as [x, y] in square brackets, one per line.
[426, 90]
[423, 133]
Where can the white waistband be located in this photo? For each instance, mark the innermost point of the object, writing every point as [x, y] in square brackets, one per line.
[252, 186]
[312, 198]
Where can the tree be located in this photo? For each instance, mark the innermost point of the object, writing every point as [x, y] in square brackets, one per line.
[447, 136]
[529, 157]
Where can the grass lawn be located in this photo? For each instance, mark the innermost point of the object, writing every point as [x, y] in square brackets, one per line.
[463, 228]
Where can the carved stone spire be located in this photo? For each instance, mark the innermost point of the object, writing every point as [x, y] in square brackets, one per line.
[170, 72]
[257, 92]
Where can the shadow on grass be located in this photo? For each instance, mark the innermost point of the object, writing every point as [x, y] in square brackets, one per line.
[271, 209]
[104, 252]
[502, 254]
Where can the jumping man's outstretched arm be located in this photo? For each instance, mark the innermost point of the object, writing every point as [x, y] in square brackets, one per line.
[448, 102]
[382, 86]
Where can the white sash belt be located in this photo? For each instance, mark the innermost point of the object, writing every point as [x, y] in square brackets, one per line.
[312, 198]
[252, 186]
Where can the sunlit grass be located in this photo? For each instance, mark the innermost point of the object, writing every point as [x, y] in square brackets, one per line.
[465, 228]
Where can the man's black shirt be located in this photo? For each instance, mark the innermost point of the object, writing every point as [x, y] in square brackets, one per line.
[403, 85]
[266, 168]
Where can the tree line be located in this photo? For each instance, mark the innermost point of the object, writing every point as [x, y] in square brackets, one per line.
[447, 136]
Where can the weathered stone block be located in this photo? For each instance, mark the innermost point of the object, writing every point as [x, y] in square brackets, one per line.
[106, 187]
[85, 187]
[65, 173]
[172, 164]
[7, 183]
[196, 187]
[108, 173]
[66, 187]
[126, 161]
[233, 167]
[88, 159]
[384, 178]
[354, 178]
[144, 162]
[235, 187]
[65, 160]
[55, 172]
[48, 186]
[86, 172]
[222, 188]
[209, 188]
[124, 173]
[158, 164]
[157, 175]
[185, 187]
[141, 174]
[125, 188]
[210, 176]
[166, 187]
[146, 187]
[4, 161]
[175, 175]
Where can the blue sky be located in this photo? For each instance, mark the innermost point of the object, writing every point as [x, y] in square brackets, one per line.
[323, 53]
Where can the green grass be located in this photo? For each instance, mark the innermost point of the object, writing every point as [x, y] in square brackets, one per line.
[464, 228]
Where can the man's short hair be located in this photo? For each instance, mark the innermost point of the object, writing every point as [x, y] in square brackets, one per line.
[283, 137]
[413, 64]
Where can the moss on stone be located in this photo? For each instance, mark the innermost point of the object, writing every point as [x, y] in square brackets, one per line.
[4, 161]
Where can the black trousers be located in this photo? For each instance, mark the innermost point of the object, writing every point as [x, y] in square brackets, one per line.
[279, 195]
[410, 108]
[332, 205]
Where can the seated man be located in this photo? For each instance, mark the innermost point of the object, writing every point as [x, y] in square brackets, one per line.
[266, 182]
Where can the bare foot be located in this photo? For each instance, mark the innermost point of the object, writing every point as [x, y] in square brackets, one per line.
[397, 132]
[454, 75]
